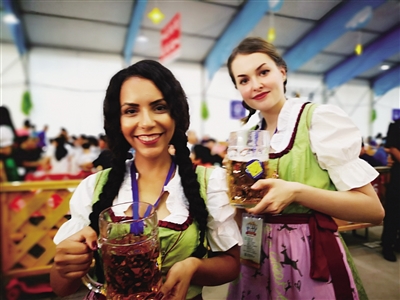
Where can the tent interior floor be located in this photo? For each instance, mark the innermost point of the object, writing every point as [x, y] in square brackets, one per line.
[381, 278]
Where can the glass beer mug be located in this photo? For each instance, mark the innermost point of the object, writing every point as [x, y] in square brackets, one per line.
[130, 252]
[247, 162]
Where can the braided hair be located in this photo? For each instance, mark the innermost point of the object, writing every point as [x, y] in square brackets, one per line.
[255, 45]
[179, 110]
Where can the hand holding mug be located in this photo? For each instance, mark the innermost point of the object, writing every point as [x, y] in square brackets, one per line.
[74, 255]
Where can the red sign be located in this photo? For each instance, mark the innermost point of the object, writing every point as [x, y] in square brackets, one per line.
[171, 40]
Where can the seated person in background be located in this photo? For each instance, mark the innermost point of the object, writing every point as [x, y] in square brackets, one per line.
[368, 158]
[42, 137]
[192, 139]
[94, 145]
[25, 130]
[219, 152]
[381, 155]
[208, 142]
[201, 156]
[212, 144]
[85, 158]
[8, 166]
[28, 155]
[103, 161]
[64, 133]
[58, 157]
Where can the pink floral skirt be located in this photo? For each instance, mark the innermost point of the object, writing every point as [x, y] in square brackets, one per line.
[284, 271]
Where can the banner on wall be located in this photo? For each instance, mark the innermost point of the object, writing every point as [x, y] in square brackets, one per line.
[237, 110]
[171, 40]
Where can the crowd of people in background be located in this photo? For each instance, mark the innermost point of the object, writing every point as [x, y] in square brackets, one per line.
[32, 154]
[28, 154]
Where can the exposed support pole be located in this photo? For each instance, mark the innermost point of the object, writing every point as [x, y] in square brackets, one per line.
[325, 98]
[370, 109]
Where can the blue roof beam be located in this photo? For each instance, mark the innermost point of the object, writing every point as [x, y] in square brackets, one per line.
[16, 29]
[387, 81]
[381, 49]
[247, 18]
[139, 8]
[349, 16]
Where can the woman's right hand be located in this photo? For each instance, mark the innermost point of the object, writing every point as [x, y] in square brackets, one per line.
[74, 255]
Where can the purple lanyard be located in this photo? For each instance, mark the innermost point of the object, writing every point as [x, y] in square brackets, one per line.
[138, 227]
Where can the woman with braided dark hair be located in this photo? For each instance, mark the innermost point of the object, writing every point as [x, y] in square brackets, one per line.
[146, 108]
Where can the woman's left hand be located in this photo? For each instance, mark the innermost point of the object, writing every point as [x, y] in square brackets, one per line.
[178, 280]
[278, 195]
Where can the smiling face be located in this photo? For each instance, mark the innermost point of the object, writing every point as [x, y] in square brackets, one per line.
[259, 80]
[146, 122]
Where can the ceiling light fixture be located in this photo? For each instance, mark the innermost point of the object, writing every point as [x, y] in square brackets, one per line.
[10, 19]
[385, 67]
[359, 47]
[142, 39]
[156, 16]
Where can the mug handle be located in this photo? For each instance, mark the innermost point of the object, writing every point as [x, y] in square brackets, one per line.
[92, 285]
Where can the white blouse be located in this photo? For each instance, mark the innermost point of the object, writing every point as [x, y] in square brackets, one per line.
[222, 234]
[335, 141]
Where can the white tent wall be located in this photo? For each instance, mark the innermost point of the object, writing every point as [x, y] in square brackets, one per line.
[384, 106]
[12, 82]
[68, 88]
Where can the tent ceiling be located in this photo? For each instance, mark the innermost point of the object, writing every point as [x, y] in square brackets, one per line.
[103, 26]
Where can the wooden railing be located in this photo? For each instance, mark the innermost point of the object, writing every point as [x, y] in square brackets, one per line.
[31, 213]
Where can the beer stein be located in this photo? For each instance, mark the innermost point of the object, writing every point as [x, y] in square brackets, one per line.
[248, 153]
[130, 252]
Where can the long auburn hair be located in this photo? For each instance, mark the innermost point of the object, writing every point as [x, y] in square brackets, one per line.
[176, 99]
[253, 45]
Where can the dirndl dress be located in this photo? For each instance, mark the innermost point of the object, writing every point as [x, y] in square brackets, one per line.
[303, 255]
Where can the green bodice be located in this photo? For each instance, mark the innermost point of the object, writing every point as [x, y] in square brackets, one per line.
[297, 162]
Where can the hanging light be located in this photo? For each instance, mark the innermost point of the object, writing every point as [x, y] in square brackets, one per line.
[271, 31]
[271, 35]
[359, 48]
[156, 16]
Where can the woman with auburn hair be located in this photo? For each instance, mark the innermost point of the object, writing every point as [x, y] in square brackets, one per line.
[315, 174]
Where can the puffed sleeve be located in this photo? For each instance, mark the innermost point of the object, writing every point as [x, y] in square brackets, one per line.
[336, 142]
[223, 232]
[80, 209]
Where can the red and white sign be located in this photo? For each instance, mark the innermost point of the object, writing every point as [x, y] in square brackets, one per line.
[171, 40]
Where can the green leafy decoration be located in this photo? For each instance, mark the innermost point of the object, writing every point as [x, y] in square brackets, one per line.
[204, 110]
[373, 115]
[26, 104]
